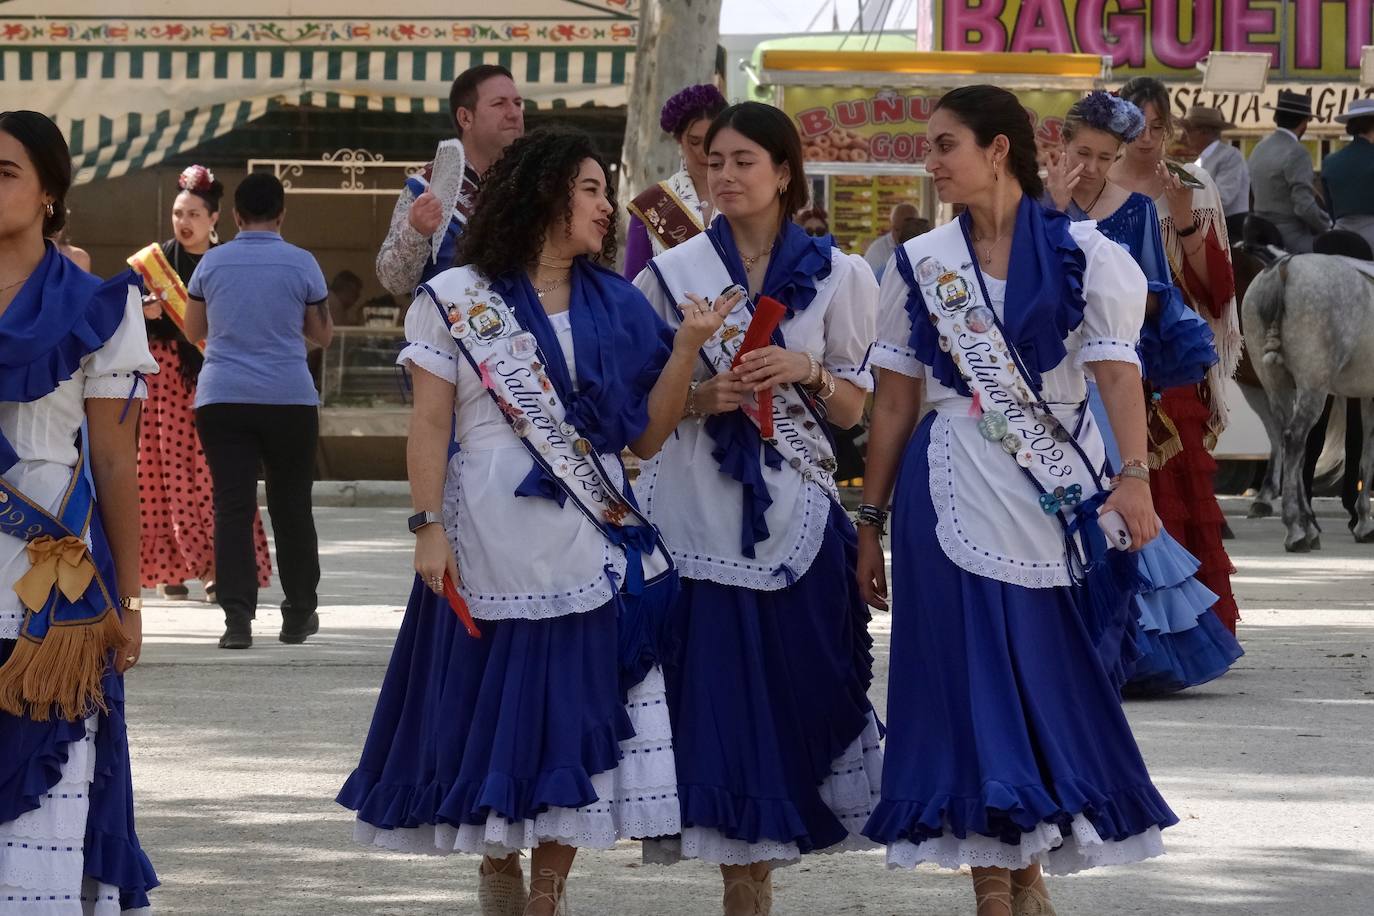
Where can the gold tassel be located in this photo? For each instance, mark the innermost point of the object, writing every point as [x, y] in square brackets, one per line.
[1165, 442]
[61, 673]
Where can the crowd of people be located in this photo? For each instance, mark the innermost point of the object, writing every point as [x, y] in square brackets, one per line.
[681, 659]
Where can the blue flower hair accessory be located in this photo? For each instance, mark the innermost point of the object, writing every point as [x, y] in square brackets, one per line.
[687, 105]
[1109, 113]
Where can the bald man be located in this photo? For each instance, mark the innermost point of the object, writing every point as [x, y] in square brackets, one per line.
[879, 252]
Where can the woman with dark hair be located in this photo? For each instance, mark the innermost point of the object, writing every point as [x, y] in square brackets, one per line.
[776, 743]
[175, 492]
[540, 723]
[72, 353]
[1187, 419]
[814, 221]
[679, 207]
[1184, 642]
[1007, 748]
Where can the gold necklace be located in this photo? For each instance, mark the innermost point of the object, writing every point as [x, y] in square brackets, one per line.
[11, 286]
[542, 291]
[560, 263]
[750, 262]
[987, 258]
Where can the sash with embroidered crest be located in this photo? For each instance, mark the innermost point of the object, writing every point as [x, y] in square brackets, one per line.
[799, 429]
[669, 219]
[1011, 411]
[507, 360]
[70, 623]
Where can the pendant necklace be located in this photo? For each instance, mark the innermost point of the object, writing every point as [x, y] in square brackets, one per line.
[1100, 191]
[542, 291]
[750, 262]
[987, 258]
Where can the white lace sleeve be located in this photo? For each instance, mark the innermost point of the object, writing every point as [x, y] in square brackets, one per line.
[1115, 290]
[114, 370]
[891, 350]
[849, 321]
[428, 343]
[401, 260]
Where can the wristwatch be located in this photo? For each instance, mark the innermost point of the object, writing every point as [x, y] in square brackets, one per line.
[131, 604]
[421, 519]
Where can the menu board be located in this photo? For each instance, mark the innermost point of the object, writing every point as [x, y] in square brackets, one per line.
[859, 206]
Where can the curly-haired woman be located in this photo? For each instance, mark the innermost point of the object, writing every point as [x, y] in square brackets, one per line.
[1198, 252]
[517, 732]
[1182, 640]
[776, 743]
[679, 207]
[175, 492]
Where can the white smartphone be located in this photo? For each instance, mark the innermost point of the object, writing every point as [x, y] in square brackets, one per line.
[1114, 527]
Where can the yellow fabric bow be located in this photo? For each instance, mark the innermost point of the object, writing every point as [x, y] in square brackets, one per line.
[64, 563]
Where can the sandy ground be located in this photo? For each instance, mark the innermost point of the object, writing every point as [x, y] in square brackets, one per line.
[237, 757]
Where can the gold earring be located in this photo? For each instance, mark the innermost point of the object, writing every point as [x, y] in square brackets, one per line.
[49, 208]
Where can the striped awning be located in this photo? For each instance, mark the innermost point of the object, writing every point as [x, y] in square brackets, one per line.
[130, 92]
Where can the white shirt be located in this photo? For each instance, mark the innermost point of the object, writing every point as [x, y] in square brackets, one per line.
[988, 519]
[880, 251]
[698, 509]
[43, 433]
[518, 557]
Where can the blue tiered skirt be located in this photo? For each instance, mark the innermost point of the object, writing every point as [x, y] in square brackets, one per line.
[1179, 641]
[501, 743]
[778, 749]
[67, 839]
[1006, 742]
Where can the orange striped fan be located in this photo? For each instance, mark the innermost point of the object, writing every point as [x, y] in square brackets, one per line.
[162, 281]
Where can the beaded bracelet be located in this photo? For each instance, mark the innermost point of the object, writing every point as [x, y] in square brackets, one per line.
[872, 517]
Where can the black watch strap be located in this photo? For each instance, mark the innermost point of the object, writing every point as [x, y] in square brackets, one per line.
[421, 519]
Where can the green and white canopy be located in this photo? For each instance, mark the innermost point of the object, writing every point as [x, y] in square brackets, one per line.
[131, 82]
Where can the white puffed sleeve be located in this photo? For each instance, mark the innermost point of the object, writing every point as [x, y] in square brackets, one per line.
[1114, 289]
[891, 350]
[116, 370]
[849, 320]
[647, 283]
[429, 345]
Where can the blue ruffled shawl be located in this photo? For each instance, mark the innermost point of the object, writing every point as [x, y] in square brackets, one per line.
[60, 315]
[620, 345]
[1044, 296]
[1176, 344]
[797, 263]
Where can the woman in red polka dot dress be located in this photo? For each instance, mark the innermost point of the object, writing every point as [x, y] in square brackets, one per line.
[174, 489]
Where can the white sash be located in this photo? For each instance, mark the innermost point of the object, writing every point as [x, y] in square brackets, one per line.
[1012, 414]
[799, 432]
[507, 360]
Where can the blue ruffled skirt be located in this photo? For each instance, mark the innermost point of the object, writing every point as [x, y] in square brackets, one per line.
[1179, 642]
[523, 736]
[778, 749]
[39, 764]
[1006, 742]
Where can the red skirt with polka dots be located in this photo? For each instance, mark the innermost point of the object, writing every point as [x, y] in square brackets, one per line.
[175, 496]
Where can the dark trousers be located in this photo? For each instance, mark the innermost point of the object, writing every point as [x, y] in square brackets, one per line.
[281, 438]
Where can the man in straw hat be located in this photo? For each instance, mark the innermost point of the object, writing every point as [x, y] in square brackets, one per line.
[1282, 179]
[1202, 134]
[1348, 174]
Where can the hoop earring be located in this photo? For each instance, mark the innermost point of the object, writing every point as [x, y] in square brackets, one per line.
[214, 236]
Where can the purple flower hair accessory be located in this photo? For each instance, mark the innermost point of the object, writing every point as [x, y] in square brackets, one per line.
[689, 104]
[1111, 114]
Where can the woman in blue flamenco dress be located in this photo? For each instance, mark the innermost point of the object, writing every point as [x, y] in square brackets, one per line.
[768, 657]
[1007, 747]
[1180, 641]
[72, 356]
[538, 722]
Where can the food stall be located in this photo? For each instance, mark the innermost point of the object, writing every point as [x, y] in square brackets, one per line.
[862, 115]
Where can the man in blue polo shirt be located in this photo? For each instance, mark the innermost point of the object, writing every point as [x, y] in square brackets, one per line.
[256, 301]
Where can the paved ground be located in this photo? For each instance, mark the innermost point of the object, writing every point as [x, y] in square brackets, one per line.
[238, 755]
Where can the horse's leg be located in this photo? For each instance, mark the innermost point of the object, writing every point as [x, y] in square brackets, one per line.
[1297, 510]
[1263, 504]
[1364, 525]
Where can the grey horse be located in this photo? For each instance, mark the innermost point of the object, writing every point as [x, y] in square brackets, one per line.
[1312, 316]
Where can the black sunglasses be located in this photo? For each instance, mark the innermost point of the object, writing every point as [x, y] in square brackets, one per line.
[817, 233]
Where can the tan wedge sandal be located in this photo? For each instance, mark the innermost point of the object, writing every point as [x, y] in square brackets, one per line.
[501, 891]
[559, 886]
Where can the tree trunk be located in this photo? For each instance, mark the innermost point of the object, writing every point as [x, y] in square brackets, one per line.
[677, 48]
